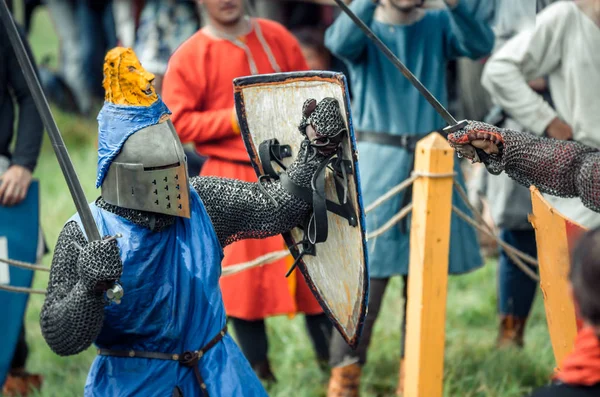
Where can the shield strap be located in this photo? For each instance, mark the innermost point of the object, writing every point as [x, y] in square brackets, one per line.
[316, 227]
[269, 151]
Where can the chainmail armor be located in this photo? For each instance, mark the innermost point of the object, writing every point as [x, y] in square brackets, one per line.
[324, 116]
[559, 168]
[241, 210]
[150, 220]
[73, 313]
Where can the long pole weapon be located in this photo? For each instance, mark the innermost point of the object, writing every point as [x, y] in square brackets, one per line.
[453, 125]
[64, 160]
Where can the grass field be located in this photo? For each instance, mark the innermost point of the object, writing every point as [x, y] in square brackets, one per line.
[473, 367]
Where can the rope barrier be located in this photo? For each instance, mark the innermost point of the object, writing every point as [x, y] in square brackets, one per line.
[261, 260]
[515, 258]
[390, 193]
[403, 185]
[393, 220]
[24, 265]
[423, 174]
[22, 290]
[527, 258]
[515, 254]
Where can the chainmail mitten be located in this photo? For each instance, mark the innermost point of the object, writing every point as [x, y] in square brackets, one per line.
[559, 168]
[73, 312]
[99, 262]
[323, 124]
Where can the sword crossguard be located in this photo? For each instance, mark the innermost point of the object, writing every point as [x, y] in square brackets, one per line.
[115, 293]
[456, 127]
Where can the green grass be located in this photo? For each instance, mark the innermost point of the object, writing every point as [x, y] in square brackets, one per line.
[473, 367]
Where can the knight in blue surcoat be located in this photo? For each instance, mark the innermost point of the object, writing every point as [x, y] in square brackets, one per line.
[168, 336]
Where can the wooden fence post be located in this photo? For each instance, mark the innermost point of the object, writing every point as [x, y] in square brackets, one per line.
[428, 271]
[555, 236]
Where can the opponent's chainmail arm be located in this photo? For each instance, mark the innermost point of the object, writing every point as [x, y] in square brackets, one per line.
[73, 312]
[559, 168]
[241, 210]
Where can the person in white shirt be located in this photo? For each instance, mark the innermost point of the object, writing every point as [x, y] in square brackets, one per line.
[563, 45]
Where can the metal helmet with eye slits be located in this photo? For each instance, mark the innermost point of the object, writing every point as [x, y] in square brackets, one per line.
[150, 173]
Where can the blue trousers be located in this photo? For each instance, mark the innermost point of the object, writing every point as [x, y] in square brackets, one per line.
[516, 290]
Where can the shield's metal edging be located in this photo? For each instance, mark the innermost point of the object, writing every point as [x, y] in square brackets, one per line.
[244, 82]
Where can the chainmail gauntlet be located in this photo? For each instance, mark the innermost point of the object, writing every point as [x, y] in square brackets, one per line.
[559, 168]
[73, 311]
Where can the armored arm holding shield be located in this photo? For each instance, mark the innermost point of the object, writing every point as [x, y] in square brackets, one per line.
[241, 210]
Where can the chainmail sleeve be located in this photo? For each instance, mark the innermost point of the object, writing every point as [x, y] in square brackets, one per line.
[559, 168]
[73, 311]
[242, 210]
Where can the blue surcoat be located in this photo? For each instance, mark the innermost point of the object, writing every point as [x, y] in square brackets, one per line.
[172, 304]
[386, 102]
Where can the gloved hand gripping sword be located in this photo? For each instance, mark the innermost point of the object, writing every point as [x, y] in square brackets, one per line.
[113, 290]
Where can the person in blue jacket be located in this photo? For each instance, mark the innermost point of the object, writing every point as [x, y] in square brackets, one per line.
[390, 116]
[166, 233]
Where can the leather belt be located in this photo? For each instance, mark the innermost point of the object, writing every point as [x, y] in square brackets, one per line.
[187, 359]
[408, 142]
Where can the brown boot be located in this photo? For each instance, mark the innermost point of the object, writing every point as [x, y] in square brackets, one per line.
[264, 372]
[344, 381]
[21, 384]
[511, 331]
[400, 389]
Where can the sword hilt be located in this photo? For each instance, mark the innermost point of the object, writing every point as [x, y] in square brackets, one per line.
[455, 127]
[482, 156]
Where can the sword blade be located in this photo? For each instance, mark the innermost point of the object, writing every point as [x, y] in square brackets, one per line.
[442, 111]
[91, 230]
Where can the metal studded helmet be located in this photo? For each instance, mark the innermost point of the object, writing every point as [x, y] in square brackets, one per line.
[150, 173]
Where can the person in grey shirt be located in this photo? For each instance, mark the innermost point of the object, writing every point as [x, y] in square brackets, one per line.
[16, 168]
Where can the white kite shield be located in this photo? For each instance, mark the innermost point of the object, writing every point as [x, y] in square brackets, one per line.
[269, 109]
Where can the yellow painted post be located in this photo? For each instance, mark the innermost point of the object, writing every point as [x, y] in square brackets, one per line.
[428, 271]
[554, 263]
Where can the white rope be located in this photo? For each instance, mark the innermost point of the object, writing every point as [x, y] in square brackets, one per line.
[390, 193]
[227, 271]
[393, 220]
[424, 174]
[507, 247]
[261, 260]
[403, 185]
[24, 265]
[271, 257]
[524, 268]
[22, 290]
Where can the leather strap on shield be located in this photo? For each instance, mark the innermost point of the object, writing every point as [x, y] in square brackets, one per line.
[316, 228]
[270, 150]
